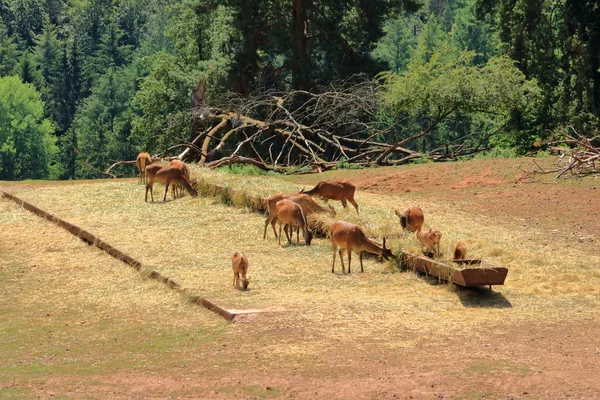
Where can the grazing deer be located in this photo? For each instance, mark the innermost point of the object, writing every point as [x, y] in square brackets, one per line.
[142, 161]
[351, 237]
[166, 174]
[335, 190]
[290, 214]
[178, 188]
[239, 263]
[307, 203]
[431, 238]
[412, 219]
[460, 252]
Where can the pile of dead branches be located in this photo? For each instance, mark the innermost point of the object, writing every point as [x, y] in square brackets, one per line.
[299, 131]
[577, 154]
[275, 131]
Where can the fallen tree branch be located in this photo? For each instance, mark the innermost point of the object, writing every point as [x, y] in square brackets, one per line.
[90, 166]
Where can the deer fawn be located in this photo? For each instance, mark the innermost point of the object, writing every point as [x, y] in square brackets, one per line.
[239, 264]
[460, 252]
[431, 238]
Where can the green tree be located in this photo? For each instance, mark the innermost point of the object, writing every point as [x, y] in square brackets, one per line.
[9, 52]
[398, 42]
[558, 44]
[47, 58]
[163, 102]
[103, 122]
[445, 87]
[26, 69]
[26, 143]
[27, 19]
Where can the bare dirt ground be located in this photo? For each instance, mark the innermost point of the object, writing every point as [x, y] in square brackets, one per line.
[567, 208]
[166, 355]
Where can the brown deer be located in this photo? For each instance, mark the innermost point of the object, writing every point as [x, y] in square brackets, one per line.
[335, 190]
[412, 219]
[166, 174]
[178, 188]
[351, 237]
[460, 252]
[290, 214]
[142, 161]
[239, 264]
[307, 203]
[431, 238]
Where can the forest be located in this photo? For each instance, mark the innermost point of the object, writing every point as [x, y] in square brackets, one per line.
[289, 85]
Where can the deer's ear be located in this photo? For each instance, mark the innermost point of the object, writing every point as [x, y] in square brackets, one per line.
[396, 212]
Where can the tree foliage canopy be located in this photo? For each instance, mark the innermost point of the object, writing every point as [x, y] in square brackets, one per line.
[27, 146]
[114, 77]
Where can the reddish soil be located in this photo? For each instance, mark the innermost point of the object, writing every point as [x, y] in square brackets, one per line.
[570, 208]
[525, 362]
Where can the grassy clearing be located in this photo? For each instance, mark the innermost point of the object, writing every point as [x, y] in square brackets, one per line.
[192, 239]
[63, 306]
[72, 317]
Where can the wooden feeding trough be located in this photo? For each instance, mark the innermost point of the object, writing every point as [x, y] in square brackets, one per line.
[468, 273]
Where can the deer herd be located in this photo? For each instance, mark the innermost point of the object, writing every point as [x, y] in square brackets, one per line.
[291, 211]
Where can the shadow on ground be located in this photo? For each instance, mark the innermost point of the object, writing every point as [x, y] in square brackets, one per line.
[482, 297]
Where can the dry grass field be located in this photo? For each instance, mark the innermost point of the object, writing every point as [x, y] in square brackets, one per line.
[75, 323]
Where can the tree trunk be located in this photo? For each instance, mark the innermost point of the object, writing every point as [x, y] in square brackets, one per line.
[300, 58]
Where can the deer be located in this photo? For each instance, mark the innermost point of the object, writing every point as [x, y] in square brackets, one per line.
[186, 172]
[142, 161]
[166, 174]
[412, 219]
[307, 203]
[239, 264]
[460, 251]
[290, 214]
[351, 237]
[335, 190]
[431, 239]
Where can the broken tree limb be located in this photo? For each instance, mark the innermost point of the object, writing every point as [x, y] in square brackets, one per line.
[116, 164]
[209, 136]
[90, 166]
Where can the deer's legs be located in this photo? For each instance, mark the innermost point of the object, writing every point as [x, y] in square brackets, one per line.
[334, 249]
[349, 259]
[342, 261]
[354, 204]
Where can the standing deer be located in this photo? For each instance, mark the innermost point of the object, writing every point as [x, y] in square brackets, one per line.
[351, 237]
[239, 264]
[186, 172]
[290, 214]
[142, 161]
[167, 174]
[335, 190]
[412, 219]
[431, 238]
[308, 205]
